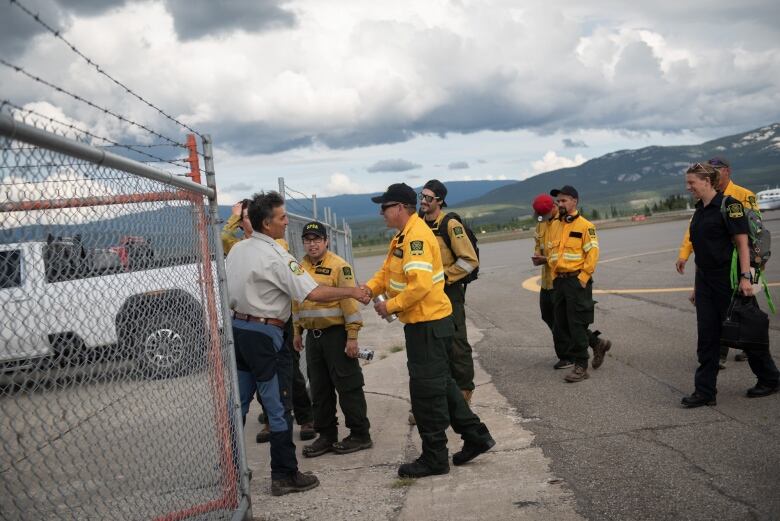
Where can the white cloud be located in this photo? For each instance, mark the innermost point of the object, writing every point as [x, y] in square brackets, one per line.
[342, 184]
[552, 161]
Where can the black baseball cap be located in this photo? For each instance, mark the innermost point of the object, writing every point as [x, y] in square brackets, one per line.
[397, 193]
[438, 188]
[566, 190]
[315, 228]
[719, 162]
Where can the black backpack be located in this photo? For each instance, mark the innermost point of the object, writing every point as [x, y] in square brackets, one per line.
[441, 231]
[759, 237]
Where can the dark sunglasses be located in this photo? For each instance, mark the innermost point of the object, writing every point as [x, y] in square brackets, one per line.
[428, 198]
[389, 205]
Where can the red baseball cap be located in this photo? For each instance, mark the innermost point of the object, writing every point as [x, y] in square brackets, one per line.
[543, 204]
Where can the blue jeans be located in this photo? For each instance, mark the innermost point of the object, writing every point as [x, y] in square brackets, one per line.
[265, 365]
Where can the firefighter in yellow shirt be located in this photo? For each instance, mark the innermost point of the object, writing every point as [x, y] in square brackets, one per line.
[573, 251]
[412, 277]
[459, 260]
[546, 212]
[744, 196]
[331, 350]
[237, 227]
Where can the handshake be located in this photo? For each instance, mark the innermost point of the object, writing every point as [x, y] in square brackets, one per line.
[362, 294]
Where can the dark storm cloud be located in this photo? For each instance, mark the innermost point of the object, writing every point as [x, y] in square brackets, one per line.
[458, 165]
[570, 143]
[17, 28]
[393, 165]
[194, 20]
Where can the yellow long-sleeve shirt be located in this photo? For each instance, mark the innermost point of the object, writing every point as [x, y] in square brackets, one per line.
[573, 246]
[412, 275]
[333, 271]
[461, 260]
[230, 236]
[743, 195]
[540, 248]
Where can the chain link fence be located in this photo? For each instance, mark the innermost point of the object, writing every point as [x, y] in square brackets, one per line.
[117, 391]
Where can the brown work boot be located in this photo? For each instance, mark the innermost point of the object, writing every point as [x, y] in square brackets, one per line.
[352, 444]
[467, 395]
[599, 351]
[577, 374]
[308, 432]
[264, 436]
[320, 446]
[296, 483]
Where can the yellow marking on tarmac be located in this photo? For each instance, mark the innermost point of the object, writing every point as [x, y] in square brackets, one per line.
[532, 284]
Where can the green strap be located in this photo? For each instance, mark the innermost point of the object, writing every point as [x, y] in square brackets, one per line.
[734, 269]
[762, 281]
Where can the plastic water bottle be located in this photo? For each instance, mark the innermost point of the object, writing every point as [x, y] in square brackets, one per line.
[366, 354]
[383, 298]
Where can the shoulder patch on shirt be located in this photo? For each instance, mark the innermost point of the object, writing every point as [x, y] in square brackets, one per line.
[295, 267]
[458, 231]
[398, 252]
[592, 233]
[752, 200]
[319, 270]
[416, 247]
[735, 210]
[347, 271]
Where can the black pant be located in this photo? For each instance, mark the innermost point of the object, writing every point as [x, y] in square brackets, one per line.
[547, 307]
[713, 296]
[436, 400]
[331, 371]
[461, 361]
[573, 306]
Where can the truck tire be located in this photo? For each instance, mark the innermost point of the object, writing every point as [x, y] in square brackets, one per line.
[165, 336]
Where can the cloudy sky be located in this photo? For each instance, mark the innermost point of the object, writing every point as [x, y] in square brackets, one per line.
[347, 96]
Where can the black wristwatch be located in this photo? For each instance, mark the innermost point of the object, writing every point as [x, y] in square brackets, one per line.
[746, 275]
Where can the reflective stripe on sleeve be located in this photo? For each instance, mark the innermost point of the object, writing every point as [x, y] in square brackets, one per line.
[590, 245]
[465, 266]
[417, 265]
[438, 277]
[296, 316]
[398, 286]
[316, 313]
[572, 256]
[354, 317]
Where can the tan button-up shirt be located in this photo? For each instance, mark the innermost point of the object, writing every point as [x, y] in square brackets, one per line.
[262, 278]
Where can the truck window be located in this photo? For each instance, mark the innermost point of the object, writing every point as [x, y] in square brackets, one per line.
[10, 269]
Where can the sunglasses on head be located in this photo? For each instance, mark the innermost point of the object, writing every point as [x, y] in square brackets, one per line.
[428, 198]
[697, 167]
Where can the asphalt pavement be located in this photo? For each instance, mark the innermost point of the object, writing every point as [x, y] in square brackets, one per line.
[617, 446]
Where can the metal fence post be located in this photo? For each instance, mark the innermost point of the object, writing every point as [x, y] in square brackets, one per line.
[208, 162]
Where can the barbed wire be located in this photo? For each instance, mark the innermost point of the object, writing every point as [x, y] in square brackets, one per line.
[133, 148]
[98, 68]
[286, 188]
[298, 205]
[40, 80]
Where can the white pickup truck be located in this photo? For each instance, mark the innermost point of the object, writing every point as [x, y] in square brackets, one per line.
[65, 306]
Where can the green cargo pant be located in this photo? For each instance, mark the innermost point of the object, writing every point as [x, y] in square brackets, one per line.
[573, 309]
[330, 371]
[461, 362]
[436, 400]
[547, 306]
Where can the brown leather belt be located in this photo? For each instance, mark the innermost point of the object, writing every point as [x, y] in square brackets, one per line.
[249, 318]
[567, 274]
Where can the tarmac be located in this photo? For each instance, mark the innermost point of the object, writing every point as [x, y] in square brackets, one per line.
[512, 481]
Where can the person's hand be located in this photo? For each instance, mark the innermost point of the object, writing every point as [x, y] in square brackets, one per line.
[381, 308]
[680, 265]
[298, 343]
[236, 209]
[692, 297]
[583, 283]
[538, 260]
[361, 296]
[745, 287]
[352, 348]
